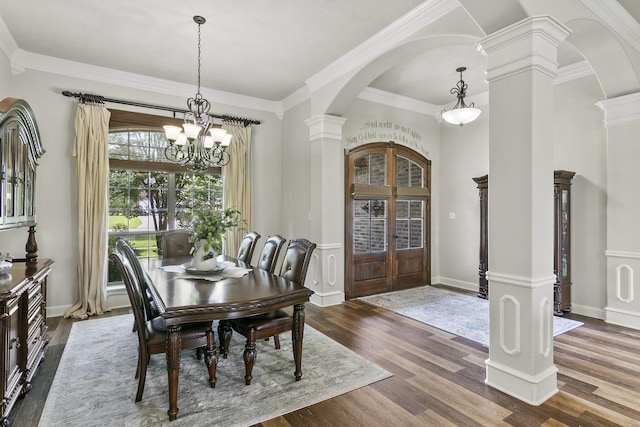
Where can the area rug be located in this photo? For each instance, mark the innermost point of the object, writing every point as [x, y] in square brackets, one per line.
[95, 385]
[460, 314]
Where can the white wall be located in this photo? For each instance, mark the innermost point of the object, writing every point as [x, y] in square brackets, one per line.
[56, 183]
[464, 155]
[580, 146]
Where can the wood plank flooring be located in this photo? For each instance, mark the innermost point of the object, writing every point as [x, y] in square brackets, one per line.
[438, 378]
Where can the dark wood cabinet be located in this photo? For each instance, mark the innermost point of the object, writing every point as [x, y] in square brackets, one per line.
[561, 240]
[23, 329]
[20, 149]
[483, 263]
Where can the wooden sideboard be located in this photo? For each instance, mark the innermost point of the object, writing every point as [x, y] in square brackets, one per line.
[23, 315]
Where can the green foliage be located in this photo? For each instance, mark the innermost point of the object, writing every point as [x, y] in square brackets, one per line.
[211, 224]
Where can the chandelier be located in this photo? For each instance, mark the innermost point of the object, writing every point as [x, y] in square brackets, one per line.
[461, 113]
[197, 142]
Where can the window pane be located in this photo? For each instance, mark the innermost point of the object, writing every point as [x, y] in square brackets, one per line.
[369, 226]
[142, 204]
[402, 172]
[361, 236]
[415, 233]
[378, 170]
[371, 169]
[402, 234]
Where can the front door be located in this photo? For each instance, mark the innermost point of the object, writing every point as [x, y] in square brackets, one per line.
[387, 208]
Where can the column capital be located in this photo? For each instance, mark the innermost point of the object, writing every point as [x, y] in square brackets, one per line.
[325, 126]
[622, 110]
[529, 44]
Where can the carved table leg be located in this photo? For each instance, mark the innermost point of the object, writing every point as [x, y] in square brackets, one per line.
[174, 343]
[297, 333]
[224, 334]
[249, 355]
[211, 358]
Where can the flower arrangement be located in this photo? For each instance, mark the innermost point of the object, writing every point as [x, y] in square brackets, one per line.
[209, 225]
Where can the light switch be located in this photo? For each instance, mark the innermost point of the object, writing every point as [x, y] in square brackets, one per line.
[452, 215]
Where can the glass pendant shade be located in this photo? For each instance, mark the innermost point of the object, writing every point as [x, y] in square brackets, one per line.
[226, 140]
[461, 116]
[172, 132]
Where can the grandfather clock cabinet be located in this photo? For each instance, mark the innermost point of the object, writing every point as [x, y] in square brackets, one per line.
[561, 240]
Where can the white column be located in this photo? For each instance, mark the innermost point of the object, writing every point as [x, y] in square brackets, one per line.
[326, 273]
[622, 120]
[521, 67]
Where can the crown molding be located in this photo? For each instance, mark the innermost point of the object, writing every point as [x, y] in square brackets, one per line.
[573, 71]
[396, 32]
[7, 43]
[622, 110]
[397, 101]
[26, 60]
[617, 20]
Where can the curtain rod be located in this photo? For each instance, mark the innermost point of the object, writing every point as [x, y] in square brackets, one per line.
[85, 97]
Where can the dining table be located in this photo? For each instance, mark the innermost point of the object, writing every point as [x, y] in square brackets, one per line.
[233, 290]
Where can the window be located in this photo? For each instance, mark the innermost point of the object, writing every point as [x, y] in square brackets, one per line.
[146, 195]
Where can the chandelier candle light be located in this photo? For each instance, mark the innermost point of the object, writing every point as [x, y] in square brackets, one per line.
[191, 143]
[461, 113]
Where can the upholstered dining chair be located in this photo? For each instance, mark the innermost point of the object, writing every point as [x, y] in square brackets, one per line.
[150, 309]
[175, 244]
[270, 251]
[247, 246]
[294, 267]
[152, 334]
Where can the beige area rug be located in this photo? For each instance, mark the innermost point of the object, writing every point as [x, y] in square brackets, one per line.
[460, 314]
[95, 385]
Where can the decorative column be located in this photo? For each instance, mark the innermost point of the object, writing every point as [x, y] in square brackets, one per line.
[326, 273]
[622, 120]
[521, 67]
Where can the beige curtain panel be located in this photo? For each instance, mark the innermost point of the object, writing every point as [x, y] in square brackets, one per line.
[92, 167]
[237, 183]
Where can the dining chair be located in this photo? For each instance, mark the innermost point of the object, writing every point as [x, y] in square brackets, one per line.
[247, 246]
[152, 334]
[294, 267]
[270, 251]
[175, 244]
[150, 308]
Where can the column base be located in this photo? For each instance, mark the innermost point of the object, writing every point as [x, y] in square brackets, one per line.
[534, 390]
[325, 300]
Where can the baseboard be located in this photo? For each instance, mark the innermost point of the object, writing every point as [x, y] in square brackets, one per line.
[57, 311]
[588, 311]
[461, 284]
[629, 319]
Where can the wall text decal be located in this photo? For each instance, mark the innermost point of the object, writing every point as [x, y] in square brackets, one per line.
[386, 130]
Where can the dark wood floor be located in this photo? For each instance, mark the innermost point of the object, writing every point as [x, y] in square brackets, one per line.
[438, 378]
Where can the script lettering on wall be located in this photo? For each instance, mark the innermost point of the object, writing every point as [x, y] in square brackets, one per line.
[386, 130]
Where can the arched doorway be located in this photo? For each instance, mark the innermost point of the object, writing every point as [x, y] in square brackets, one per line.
[387, 219]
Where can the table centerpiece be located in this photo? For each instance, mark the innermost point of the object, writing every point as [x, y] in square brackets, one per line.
[208, 227]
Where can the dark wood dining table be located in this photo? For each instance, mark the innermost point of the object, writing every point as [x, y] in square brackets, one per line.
[182, 300]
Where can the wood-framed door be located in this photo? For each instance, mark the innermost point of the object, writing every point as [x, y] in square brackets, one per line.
[387, 219]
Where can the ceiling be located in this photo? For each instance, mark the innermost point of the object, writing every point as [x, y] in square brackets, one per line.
[265, 49]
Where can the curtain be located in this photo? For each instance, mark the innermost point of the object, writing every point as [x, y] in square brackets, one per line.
[237, 183]
[92, 168]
